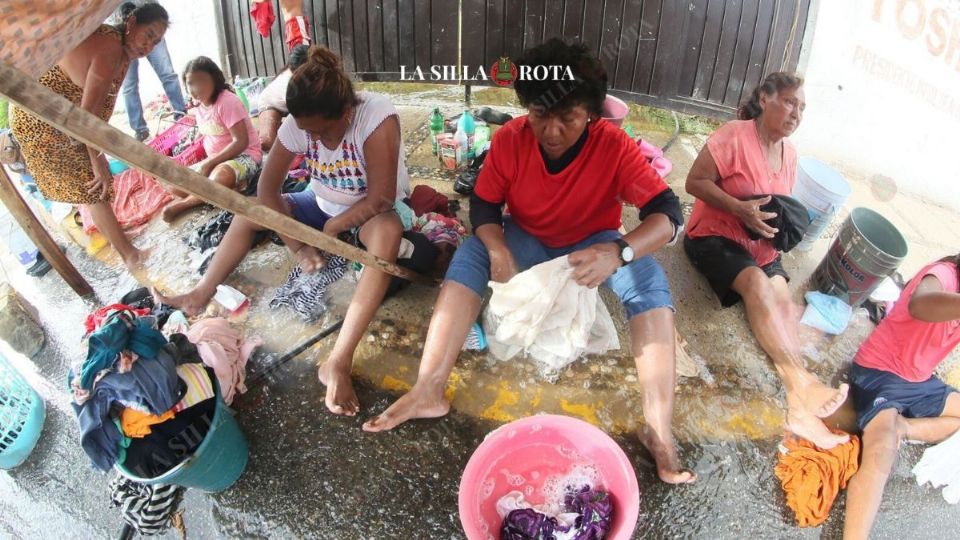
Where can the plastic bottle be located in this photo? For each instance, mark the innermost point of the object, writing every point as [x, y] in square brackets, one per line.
[461, 137]
[436, 128]
[469, 126]
[480, 137]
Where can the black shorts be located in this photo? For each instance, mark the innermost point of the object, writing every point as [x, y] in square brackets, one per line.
[874, 390]
[721, 260]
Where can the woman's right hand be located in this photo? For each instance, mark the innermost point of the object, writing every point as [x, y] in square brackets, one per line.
[100, 185]
[754, 218]
[502, 266]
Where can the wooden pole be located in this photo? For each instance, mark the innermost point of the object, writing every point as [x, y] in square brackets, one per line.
[31, 225]
[62, 114]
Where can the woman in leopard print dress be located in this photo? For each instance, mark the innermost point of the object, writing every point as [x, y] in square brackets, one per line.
[90, 76]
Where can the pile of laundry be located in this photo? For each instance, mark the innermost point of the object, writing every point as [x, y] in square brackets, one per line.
[145, 395]
[587, 514]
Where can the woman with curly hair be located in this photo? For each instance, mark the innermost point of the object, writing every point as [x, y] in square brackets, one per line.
[565, 174]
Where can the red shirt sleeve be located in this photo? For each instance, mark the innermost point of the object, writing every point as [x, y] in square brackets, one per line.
[494, 180]
[638, 182]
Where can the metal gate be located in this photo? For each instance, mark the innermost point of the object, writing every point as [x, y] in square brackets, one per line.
[696, 56]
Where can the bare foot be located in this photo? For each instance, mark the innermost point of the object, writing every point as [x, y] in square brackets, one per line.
[340, 399]
[822, 400]
[811, 428]
[665, 454]
[192, 303]
[310, 260]
[170, 212]
[137, 259]
[413, 404]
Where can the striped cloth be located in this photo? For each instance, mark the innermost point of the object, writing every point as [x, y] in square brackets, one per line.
[199, 385]
[146, 508]
[306, 293]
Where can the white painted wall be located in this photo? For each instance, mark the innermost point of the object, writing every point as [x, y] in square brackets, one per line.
[883, 92]
[192, 33]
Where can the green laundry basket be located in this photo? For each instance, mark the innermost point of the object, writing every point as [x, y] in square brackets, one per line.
[217, 463]
[22, 413]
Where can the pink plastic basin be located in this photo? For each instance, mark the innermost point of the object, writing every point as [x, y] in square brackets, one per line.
[533, 449]
[615, 110]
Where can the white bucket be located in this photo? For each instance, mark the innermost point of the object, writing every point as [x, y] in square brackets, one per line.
[823, 191]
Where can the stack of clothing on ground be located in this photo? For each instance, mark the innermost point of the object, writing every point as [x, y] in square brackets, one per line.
[145, 400]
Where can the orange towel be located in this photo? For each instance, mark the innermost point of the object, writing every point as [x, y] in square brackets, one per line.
[136, 424]
[812, 477]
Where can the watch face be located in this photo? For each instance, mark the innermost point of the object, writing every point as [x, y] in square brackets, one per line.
[627, 254]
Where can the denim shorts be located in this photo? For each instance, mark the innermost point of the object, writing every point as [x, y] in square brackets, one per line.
[641, 285]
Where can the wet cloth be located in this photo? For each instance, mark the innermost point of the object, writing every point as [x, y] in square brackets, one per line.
[137, 197]
[874, 390]
[60, 165]
[908, 347]
[152, 385]
[562, 209]
[721, 260]
[812, 477]
[136, 424]
[95, 319]
[791, 221]
[146, 508]
[225, 349]
[338, 177]
[122, 333]
[214, 123]
[170, 442]
[940, 465]
[826, 313]
[744, 173]
[543, 313]
[306, 293]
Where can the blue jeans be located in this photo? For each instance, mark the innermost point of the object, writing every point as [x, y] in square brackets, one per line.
[159, 58]
[641, 285]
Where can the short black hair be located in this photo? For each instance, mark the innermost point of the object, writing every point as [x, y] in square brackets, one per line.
[206, 65]
[589, 87]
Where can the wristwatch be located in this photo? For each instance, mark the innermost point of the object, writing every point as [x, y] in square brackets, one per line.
[626, 252]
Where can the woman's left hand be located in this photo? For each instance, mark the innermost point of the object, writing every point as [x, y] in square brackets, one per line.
[206, 168]
[593, 265]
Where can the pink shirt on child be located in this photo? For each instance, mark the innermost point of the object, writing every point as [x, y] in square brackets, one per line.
[907, 347]
[744, 173]
[215, 121]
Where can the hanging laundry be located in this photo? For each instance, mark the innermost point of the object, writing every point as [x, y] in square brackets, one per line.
[543, 313]
[224, 348]
[151, 386]
[940, 465]
[146, 508]
[306, 293]
[137, 197]
[812, 477]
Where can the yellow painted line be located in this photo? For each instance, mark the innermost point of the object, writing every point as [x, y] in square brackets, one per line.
[581, 410]
[505, 398]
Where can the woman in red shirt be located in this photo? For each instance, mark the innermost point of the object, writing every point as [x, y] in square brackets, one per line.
[895, 393]
[564, 173]
[746, 158]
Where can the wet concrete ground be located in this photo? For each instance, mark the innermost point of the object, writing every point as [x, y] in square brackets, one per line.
[315, 476]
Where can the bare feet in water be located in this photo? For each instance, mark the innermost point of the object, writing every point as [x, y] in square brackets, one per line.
[136, 260]
[414, 404]
[665, 454]
[340, 399]
[192, 303]
[822, 400]
[811, 428]
[310, 259]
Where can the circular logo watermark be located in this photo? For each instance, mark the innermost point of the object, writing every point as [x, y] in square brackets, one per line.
[503, 72]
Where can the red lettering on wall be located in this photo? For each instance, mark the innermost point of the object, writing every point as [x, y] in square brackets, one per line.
[911, 29]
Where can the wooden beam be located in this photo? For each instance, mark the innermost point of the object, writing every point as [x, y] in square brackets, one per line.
[31, 225]
[62, 114]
